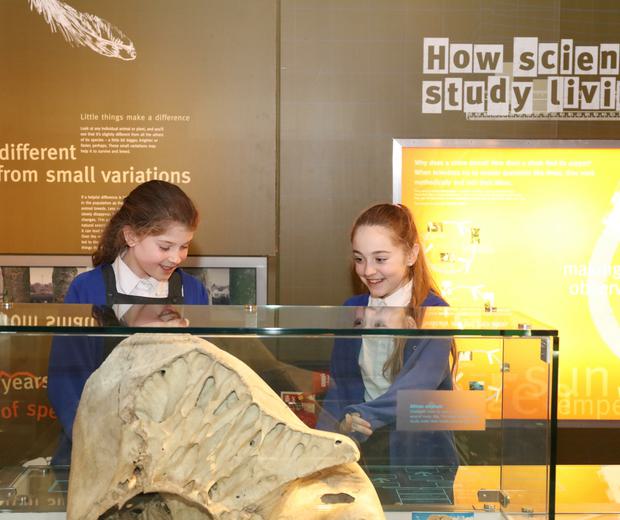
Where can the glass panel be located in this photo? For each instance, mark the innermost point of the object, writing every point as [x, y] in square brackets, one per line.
[478, 378]
[29, 428]
[438, 438]
[525, 420]
[264, 320]
[590, 491]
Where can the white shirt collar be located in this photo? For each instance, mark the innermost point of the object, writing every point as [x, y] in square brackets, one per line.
[127, 282]
[399, 298]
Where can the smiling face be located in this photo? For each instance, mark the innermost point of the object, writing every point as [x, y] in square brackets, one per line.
[157, 255]
[382, 264]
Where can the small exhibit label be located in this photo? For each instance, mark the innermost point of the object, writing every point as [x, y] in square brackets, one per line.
[440, 516]
[431, 410]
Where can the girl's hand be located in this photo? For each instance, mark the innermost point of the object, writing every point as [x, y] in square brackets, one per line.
[353, 422]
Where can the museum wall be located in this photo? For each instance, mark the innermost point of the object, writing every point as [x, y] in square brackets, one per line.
[180, 91]
[278, 117]
[351, 77]
[292, 109]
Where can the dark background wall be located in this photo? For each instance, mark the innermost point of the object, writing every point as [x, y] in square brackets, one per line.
[294, 106]
[350, 82]
[210, 62]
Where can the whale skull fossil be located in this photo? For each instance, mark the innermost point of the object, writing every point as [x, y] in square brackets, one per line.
[170, 426]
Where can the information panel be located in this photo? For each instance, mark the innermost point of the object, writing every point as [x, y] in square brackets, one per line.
[107, 94]
[533, 226]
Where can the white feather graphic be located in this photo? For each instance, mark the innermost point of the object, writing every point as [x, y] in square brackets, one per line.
[85, 29]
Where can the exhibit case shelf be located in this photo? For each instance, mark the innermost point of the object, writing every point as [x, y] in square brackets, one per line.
[451, 411]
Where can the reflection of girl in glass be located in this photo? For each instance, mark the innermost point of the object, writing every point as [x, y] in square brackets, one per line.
[366, 375]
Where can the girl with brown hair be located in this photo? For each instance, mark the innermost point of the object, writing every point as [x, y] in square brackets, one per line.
[136, 267]
[140, 251]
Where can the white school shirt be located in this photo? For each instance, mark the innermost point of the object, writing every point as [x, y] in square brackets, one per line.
[376, 351]
[127, 282]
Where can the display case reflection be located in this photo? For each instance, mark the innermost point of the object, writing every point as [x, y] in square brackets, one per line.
[371, 380]
[74, 358]
[141, 315]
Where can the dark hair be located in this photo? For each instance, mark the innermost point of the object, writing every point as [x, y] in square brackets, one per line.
[148, 209]
[398, 219]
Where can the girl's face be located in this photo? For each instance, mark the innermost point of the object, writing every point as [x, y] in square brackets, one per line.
[382, 264]
[157, 255]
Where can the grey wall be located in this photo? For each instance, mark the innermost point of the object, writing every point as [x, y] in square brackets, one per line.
[350, 82]
[294, 107]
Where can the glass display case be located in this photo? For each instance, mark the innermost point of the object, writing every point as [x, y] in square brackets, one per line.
[458, 405]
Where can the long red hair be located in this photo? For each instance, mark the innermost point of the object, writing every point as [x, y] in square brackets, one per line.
[399, 221]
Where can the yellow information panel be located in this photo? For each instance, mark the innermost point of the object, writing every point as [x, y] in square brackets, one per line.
[535, 229]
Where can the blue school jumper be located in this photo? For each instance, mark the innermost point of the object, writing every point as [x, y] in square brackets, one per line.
[425, 367]
[74, 358]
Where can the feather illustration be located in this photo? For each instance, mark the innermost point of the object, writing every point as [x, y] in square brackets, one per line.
[85, 29]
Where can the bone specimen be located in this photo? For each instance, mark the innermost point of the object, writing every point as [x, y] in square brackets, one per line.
[170, 426]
